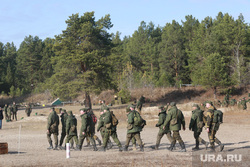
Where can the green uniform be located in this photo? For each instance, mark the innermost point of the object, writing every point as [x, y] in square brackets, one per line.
[52, 127]
[88, 127]
[133, 131]
[213, 125]
[174, 121]
[140, 102]
[233, 102]
[196, 124]
[71, 128]
[244, 103]
[28, 110]
[15, 109]
[162, 117]
[6, 112]
[101, 128]
[64, 117]
[110, 130]
[9, 111]
[226, 100]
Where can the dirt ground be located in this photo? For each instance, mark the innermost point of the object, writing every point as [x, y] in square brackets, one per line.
[28, 144]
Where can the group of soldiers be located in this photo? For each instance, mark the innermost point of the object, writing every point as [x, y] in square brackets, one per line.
[171, 121]
[241, 103]
[10, 112]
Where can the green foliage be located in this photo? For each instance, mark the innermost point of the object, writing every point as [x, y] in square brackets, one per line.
[125, 95]
[12, 92]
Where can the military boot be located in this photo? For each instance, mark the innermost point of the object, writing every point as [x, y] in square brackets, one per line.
[156, 147]
[99, 141]
[220, 144]
[183, 148]
[50, 146]
[125, 148]
[88, 144]
[172, 145]
[120, 148]
[56, 148]
[196, 148]
[142, 148]
[110, 145]
[78, 148]
[212, 148]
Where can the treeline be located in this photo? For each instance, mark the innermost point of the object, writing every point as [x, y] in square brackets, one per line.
[87, 58]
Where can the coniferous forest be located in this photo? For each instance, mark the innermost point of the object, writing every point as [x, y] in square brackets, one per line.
[86, 57]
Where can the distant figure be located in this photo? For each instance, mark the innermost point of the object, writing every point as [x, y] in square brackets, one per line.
[1, 117]
[9, 111]
[14, 111]
[28, 109]
[64, 116]
[6, 112]
[140, 102]
[103, 105]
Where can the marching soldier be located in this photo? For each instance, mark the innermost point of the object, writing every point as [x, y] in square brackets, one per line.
[71, 129]
[6, 112]
[175, 120]
[133, 128]
[196, 124]
[212, 126]
[140, 102]
[162, 117]
[52, 128]
[87, 128]
[9, 111]
[64, 116]
[110, 129]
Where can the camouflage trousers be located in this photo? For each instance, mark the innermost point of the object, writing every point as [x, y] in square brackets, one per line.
[69, 137]
[63, 135]
[55, 135]
[137, 137]
[14, 115]
[212, 138]
[114, 136]
[161, 134]
[177, 136]
[94, 137]
[89, 137]
[198, 139]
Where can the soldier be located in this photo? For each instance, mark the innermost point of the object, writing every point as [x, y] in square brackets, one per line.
[133, 128]
[71, 129]
[101, 128]
[28, 110]
[1, 117]
[87, 128]
[196, 124]
[226, 100]
[140, 102]
[244, 103]
[64, 116]
[102, 105]
[110, 129]
[174, 120]
[52, 128]
[162, 117]
[15, 109]
[233, 102]
[9, 110]
[212, 126]
[92, 115]
[6, 112]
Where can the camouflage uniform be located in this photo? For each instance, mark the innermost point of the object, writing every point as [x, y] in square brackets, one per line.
[140, 102]
[6, 112]
[101, 128]
[110, 130]
[196, 124]
[132, 130]
[64, 117]
[212, 125]
[71, 128]
[9, 111]
[28, 110]
[52, 127]
[88, 128]
[174, 120]
[15, 109]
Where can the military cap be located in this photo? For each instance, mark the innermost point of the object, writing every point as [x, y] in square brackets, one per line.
[209, 102]
[173, 104]
[160, 107]
[132, 106]
[70, 112]
[52, 108]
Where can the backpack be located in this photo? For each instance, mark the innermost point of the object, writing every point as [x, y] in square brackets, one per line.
[200, 123]
[137, 119]
[94, 118]
[114, 119]
[218, 116]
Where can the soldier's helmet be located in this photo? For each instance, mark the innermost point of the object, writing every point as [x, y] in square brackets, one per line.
[173, 104]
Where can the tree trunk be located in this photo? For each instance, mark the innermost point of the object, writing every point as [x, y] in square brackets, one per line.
[87, 100]
[215, 91]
